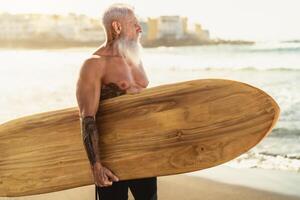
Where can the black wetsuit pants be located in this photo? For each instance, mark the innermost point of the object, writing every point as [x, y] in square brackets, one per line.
[141, 189]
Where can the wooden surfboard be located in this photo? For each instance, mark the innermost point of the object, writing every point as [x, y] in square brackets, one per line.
[164, 130]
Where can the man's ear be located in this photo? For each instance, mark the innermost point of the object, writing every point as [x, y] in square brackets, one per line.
[116, 26]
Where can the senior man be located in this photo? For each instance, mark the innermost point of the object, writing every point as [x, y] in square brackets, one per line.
[114, 69]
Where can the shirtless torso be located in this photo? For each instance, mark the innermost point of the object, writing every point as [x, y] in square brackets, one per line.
[108, 73]
[101, 70]
[125, 75]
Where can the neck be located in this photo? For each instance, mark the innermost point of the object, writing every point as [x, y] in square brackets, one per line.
[128, 50]
[109, 49]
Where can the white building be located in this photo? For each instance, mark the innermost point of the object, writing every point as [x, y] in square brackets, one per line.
[15, 27]
[31, 26]
[89, 29]
[170, 27]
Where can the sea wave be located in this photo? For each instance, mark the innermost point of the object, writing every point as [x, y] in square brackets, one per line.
[285, 132]
[272, 50]
[252, 69]
[265, 160]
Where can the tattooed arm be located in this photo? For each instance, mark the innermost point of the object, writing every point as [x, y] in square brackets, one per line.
[90, 138]
[88, 98]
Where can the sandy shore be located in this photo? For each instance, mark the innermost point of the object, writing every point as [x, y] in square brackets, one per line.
[199, 187]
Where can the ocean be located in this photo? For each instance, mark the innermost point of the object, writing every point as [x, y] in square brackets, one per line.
[34, 81]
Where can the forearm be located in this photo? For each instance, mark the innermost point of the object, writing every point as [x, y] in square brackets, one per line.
[90, 138]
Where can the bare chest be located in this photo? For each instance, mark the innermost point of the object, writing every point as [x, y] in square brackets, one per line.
[129, 79]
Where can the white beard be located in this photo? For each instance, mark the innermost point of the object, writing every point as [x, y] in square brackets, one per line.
[130, 49]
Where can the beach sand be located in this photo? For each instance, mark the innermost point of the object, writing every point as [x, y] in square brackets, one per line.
[187, 187]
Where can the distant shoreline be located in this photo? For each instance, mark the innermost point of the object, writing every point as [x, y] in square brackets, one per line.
[291, 41]
[59, 43]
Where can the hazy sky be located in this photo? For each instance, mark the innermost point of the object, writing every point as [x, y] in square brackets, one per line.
[229, 19]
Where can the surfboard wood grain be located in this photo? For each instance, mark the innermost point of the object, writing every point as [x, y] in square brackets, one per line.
[164, 130]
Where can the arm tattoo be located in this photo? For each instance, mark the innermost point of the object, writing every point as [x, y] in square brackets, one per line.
[90, 138]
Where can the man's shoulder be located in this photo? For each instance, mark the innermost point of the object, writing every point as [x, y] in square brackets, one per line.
[94, 60]
[93, 64]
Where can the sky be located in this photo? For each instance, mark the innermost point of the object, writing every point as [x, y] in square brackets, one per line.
[259, 20]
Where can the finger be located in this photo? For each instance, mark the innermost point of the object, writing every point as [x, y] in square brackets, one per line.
[100, 178]
[101, 175]
[98, 184]
[112, 176]
[104, 177]
[108, 184]
[106, 180]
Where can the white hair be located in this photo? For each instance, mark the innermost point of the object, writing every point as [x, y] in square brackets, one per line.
[117, 11]
[130, 49]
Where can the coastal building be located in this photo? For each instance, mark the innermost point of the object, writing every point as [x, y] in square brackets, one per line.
[95, 31]
[152, 29]
[171, 27]
[144, 26]
[169, 30]
[200, 33]
[43, 27]
[88, 29]
[15, 26]
[185, 25]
